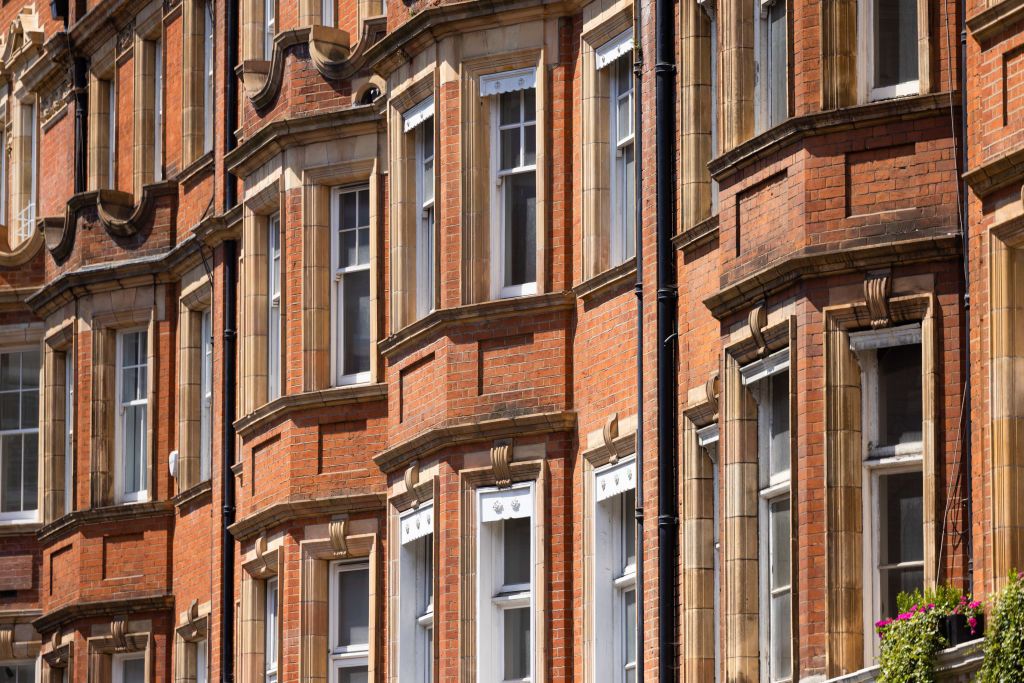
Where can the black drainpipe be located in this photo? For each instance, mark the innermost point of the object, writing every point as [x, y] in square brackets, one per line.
[81, 69]
[227, 476]
[969, 536]
[668, 521]
[638, 62]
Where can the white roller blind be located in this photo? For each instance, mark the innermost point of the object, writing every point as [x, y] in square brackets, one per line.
[614, 48]
[418, 113]
[417, 523]
[508, 81]
[759, 369]
[615, 479]
[889, 336]
[500, 504]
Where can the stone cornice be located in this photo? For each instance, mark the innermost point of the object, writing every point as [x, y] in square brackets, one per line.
[755, 288]
[991, 22]
[442, 319]
[697, 236]
[997, 173]
[795, 129]
[102, 23]
[278, 136]
[276, 513]
[276, 410]
[71, 522]
[201, 490]
[157, 602]
[9, 529]
[607, 281]
[471, 431]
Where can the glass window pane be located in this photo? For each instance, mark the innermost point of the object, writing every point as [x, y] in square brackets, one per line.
[30, 368]
[349, 210]
[778, 512]
[30, 458]
[902, 528]
[782, 653]
[353, 607]
[349, 248]
[508, 108]
[629, 624]
[777, 67]
[517, 551]
[134, 671]
[11, 474]
[779, 427]
[899, 395]
[530, 145]
[520, 229]
[10, 371]
[363, 207]
[10, 406]
[517, 643]
[529, 104]
[628, 528]
[353, 675]
[509, 148]
[428, 182]
[895, 42]
[30, 409]
[356, 322]
[363, 253]
[627, 201]
[896, 581]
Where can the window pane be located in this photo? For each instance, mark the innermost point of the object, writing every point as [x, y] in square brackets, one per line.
[628, 528]
[356, 322]
[509, 148]
[778, 512]
[517, 551]
[895, 42]
[896, 581]
[779, 103]
[10, 371]
[363, 252]
[349, 255]
[779, 428]
[134, 440]
[520, 229]
[10, 404]
[530, 145]
[629, 624]
[30, 368]
[899, 395]
[353, 607]
[508, 108]
[30, 457]
[353, 675]
[517, 643]
[781, 637]
[627, 200]
[30, 409]
[349, 217]
[363, 207]
[902, 524]
[17, 673]
[12, 468]
[529, 104]
[134, 671]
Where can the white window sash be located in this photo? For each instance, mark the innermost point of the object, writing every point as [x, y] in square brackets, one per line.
[355, 654]
[618, 46]
[274, 314]
[158, 111]
[208, 75]
[202, 665]
[271, 623]
[327, 13]
[707, 435]
[866, 63]
[418, 113]
[338, 304]
[511, 503]
[206, 399]
[121, 422]
[621, 211]
[112, 132]
[31, 513]
[867, 340]
[117, 665]
[426, 220]
[508, 81]
[270, 21]
[69, 429]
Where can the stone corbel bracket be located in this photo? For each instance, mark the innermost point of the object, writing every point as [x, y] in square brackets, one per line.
[6, 641]
[117, 213]
[119, 634]
[877, 290]
[260, 546]
[501, 463]
[609, 433]
[757, 321]
[413, 488]
[712, 388]
[337, 531]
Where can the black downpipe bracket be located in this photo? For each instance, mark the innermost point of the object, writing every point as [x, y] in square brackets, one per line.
[665, 151]
[638, 63]
[81, 86]
[227, 476]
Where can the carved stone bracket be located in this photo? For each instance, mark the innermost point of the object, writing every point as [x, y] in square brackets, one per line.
[260, 546]
[412, 480]
[877, 289]
[54, 102]
[6, 641]
[609, 433]
[711, 391]
[125, 39]
[119, 634]
[757, 321]
[501, 462]
[710, 7]
[337, 530]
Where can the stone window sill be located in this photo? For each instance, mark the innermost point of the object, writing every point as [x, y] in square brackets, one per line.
[607, 282]
[276, 410]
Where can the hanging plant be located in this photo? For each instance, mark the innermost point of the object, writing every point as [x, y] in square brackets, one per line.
[1004, 641]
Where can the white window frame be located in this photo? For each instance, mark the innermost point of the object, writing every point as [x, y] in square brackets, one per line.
[158, 110]
[499, 289]
[21, 515]
[271, 628]
[615, 576]
[338, 287]
[270, 22]
[494, 599]
[3, 176]
[878, 462]
[142, 494]
[202, 648]
[416, 595]
[208, 75]
[327, 13]
[275, 313]
[772, 489]
[866, 64]
[352, 656]
[112, 131]
[426, 219]
[206, 394]
[69, 430]
[27, 217]
[707, 439]
[763, 65]
[623, 217]
[117, 665]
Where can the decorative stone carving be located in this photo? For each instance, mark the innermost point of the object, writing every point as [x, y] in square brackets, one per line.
[6, 641]
[119, 634]
[260, 546]
[337, 530]
[610, 432]
[877, 289]
[193, 627]
[757, 321]
[501, 461]
[55, 101]
[710, 7]
[711, 391]
[412, 480]
[125, 38]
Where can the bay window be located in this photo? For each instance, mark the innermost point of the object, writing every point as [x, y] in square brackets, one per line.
[128, 668]
[768, 381]
[620, 137]
[889, 43]
[19, 434]
[425, 224]
[275, 313]
[206, 396]
[349, 648]
[505, 585]
[270, 630]
[416, 596]
[892, 413]
[514, 171]
[615, 568]
[771, 50]
[350, 220]
[132, 405]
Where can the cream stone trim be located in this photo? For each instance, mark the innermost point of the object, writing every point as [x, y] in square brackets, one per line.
[353, 162]
[405, 213]
[251, 636]
[470, 480]
[102, 77]
[736, 23]
[148, 30]
[18, 639]
[476, 158]
[58, 655]
[844, 458]
[196, 627]
[839, 28]
[119, 636]
[53, 419]
[695, 145]
[316, 554]
[195, 299]
[193, 106]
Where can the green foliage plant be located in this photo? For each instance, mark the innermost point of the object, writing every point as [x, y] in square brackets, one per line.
[1004, 635]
